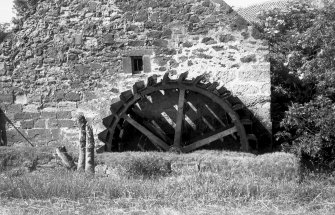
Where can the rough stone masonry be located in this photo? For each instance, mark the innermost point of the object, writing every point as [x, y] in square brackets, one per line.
[76, 56]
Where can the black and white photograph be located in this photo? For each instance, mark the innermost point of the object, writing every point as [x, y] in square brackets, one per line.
[167, 107]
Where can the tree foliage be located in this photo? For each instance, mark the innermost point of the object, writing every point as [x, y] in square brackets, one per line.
[4, 31]
[22, 6]
[302, 46]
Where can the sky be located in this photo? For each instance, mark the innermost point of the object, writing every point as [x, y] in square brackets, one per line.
[6, 11]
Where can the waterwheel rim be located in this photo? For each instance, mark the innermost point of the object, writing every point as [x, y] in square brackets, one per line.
[123, 114]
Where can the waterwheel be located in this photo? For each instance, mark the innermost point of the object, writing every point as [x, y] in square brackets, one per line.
[177, 115]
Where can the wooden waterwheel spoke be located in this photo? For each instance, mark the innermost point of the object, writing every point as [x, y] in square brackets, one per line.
[157, 132]
[180, 118]
[165, 116]
[153, 138]
[207, 140]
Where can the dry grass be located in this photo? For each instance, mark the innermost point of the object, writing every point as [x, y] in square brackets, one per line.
[277, 166]
[227, 183]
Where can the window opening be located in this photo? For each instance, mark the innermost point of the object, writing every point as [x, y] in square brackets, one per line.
[137, 64]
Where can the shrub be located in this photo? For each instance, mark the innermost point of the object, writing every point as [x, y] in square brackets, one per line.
[146, 167]
[302, 46]
[312, 127]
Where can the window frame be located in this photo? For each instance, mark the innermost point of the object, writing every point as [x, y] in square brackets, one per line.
[137, 64]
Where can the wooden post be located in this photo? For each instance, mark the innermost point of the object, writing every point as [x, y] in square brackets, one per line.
[179, 121]
[65, 157]
[89, 167]
[3, 138]
[82, 142]
[1, 142]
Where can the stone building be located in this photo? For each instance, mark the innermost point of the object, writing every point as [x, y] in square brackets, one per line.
[75, 56]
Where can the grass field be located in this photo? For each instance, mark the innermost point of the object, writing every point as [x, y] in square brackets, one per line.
[205, 182]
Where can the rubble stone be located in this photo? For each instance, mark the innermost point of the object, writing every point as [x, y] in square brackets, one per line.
[70, 57]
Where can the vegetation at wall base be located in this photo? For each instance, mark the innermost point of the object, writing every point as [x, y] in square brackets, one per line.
[302, 46]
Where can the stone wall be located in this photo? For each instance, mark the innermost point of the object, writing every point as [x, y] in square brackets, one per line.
[72, 56]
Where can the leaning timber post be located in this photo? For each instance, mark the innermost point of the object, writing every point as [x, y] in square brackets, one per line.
[65, 157]
[82, 142]
[89, 167]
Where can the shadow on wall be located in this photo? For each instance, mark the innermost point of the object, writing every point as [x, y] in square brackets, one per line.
[3, 135]
[263, 142]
